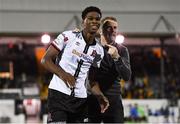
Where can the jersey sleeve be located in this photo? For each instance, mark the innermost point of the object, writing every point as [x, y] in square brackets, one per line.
[60, 42]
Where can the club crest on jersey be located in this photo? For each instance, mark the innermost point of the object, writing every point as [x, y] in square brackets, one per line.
[94, 53]
[65, 38]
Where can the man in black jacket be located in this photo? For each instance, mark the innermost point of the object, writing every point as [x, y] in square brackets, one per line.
[114, 67]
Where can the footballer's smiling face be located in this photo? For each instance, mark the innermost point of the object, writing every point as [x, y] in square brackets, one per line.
[92, 22]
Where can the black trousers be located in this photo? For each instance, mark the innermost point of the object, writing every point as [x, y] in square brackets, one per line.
[114, 114]
[65, 108]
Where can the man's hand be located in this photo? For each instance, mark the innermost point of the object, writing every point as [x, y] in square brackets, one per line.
[113, 51]
[104, 103]
[68, 79]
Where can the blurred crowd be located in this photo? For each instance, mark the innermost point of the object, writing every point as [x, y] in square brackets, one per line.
[146, 81]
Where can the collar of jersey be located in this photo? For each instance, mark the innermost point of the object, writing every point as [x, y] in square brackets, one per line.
[94, 43]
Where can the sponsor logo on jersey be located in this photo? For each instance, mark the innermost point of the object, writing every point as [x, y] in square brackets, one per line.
[83, 56]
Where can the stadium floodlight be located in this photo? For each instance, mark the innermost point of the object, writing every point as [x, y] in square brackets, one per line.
[119, 39]
[45, 39]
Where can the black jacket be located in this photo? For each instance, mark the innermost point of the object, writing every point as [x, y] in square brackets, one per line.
[112, 71]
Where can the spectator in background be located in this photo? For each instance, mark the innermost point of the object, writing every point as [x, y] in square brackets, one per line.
[114, 67]
[134, 112]
[77, 50]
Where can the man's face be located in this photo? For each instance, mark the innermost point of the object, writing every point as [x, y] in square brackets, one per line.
[110, 30]
[92, 22]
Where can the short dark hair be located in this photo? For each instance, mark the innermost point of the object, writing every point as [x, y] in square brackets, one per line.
[105, 21]
[108, 18]
[90, 9]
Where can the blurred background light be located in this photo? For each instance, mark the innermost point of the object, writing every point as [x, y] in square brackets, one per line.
[119, 39]
[45, 39]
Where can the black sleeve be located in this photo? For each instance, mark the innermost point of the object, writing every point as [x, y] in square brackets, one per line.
[122, 64]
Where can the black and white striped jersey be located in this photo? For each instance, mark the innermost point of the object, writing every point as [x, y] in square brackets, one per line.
[76, 58]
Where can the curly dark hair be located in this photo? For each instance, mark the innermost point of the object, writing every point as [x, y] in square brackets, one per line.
[90, 9]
